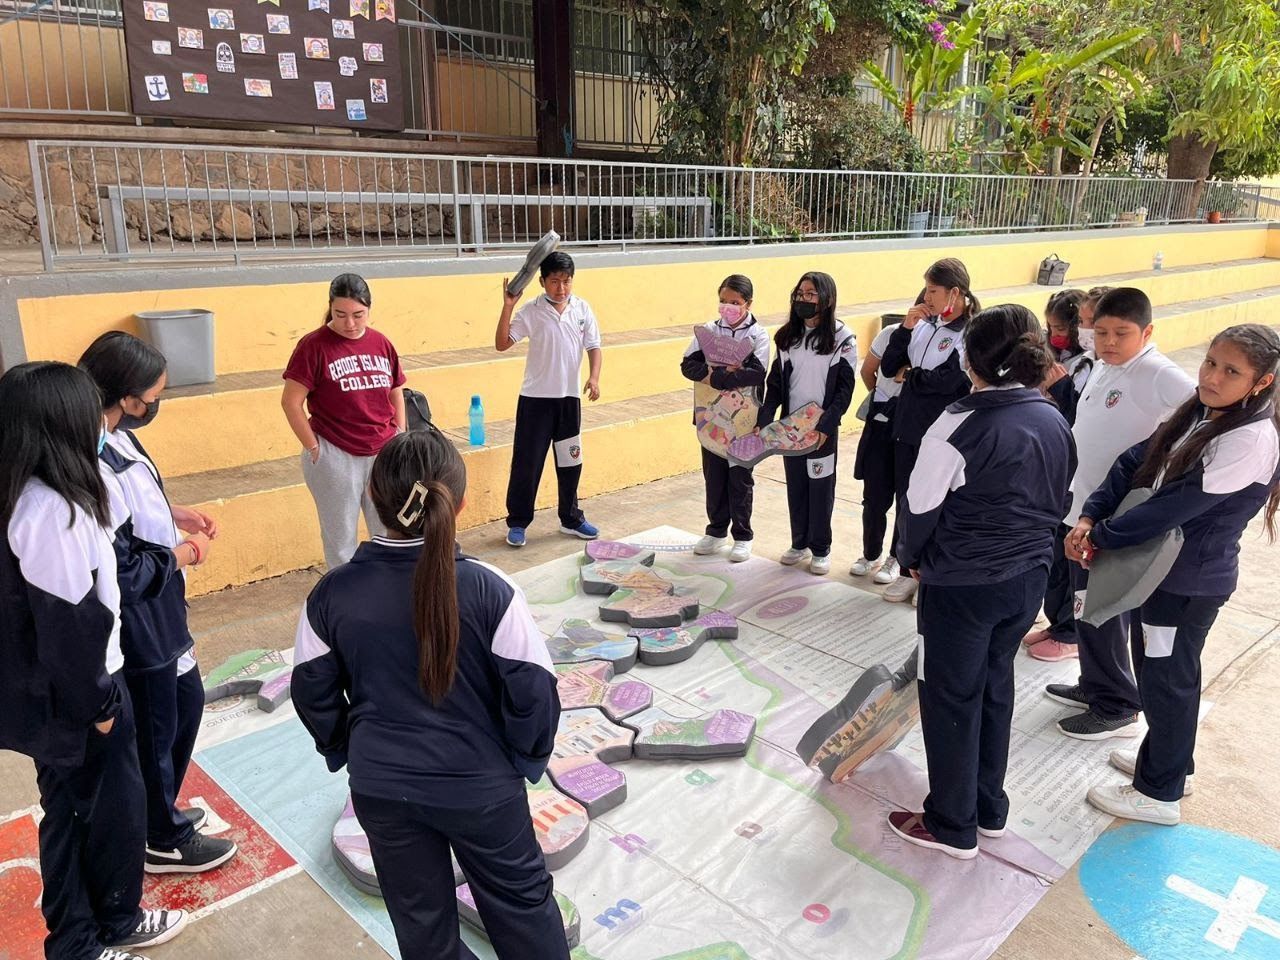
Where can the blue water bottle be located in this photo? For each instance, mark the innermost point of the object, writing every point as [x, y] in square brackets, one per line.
[476, 414]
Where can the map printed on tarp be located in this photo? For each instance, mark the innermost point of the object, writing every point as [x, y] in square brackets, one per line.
[749, 858]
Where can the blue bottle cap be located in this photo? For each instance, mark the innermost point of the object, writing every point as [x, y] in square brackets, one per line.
[475, 399]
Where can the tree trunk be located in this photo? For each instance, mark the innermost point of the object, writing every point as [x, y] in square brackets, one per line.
[1189, 159]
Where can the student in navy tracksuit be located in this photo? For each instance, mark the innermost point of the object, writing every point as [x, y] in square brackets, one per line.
[817, 355]
[979, 516]
[66, 704]
[926, 354]
[422, 671]
[1214, 464]
[159, 665]
[730, 489]
[1066, 380]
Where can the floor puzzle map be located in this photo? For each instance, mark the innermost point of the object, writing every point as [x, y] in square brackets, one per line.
[704, 856]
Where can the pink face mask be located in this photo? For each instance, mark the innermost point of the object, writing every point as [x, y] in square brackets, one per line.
[732, 314]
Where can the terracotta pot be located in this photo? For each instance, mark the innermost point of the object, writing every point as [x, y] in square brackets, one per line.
[1215, 216]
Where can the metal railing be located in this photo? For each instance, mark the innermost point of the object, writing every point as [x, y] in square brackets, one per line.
[62, 57]
[102, 201]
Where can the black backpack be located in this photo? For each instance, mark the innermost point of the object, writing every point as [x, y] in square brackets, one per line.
[417, 409]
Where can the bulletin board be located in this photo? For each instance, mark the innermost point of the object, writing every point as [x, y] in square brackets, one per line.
[331, 63]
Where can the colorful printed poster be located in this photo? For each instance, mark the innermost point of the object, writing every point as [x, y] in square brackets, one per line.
[288, 65]
[257, 88]
[277, 23]
[359, 8]
[347, 66]
[225, 58]
[318, 5]
[157, 88]
[344, 30]
[195, 82]
[162, 48]
[221, 19]
[355, 110]
[252, 43]
[324, 95]
[159, 12]
[191, 38]
[373, 53]
[385, 10]
[317, 48]
[378, 91]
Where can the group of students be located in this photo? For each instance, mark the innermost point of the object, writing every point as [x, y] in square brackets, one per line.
[97, 670]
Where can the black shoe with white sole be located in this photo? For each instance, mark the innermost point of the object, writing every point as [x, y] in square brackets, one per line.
[155, 927]
[1068, 693]
[197, 855]
[1090, 726]
[110, 954]
[196, 816]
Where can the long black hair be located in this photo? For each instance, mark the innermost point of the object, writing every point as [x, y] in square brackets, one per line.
[1064, 306]
[49, 432]
[1262, 346]
[822, 338]
[416, 484]
[122, 365]
[951, 274]
[1005, 344]
[348, 286]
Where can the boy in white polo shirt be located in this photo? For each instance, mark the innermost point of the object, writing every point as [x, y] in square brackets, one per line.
[1133, 389]
[559, 327]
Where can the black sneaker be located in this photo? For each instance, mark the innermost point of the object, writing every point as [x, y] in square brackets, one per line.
[1068, 693]
[197, 855]
[1090, 726]
[110, 954]
[196, 816]
[155, 927]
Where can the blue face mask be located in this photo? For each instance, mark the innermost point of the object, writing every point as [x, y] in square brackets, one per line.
[102, 441]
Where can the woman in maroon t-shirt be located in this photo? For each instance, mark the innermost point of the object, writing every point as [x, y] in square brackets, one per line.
[344, 397]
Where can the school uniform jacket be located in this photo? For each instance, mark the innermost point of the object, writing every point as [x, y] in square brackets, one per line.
[1066, 392]
[1213, 503]
[355, 684]
[59, 627]
[694, 364]
[935, 353]
[153, 592]
[801, 375]
[987, 493]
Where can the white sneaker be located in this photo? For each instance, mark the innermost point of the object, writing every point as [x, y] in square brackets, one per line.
[903, 588]
[1129, 802]
[820, 566]
[792, 556]
[741, 551]
[1126, 761]
[708, 545]
[888, 572]
[862, 566]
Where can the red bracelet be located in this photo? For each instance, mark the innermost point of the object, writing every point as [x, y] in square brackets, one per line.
[196, 550]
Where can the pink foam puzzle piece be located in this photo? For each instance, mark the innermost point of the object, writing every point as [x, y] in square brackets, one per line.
[720, 349]
[721, 733]
[568, 914]
[614, 550]
[720, 417]
[261, 673]
[592, 684]
[666, 645]
[602, 577]
[645, 609]
[793, 435]
[578, 641]
[586, 742]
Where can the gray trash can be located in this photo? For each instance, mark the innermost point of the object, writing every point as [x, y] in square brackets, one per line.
[185, 337]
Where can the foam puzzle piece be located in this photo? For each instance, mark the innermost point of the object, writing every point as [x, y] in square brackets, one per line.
[579, 640]
[351, 851]
[878, 711]
[261, 672]
[586, 742]
[722, 417]
[722, 350]
[793, 435]
[545, 246]
[613, 550]
[662, 735]
[591, 684]
[602, 577]
[667, 645]
[568, 913]
[647, 609]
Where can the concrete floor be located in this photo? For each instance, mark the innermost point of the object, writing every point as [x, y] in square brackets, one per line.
[1238, 770]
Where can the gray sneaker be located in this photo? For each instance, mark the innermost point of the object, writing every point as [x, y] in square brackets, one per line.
[1090, 726]
[155, 927]
[1068, 693]
[110, 954]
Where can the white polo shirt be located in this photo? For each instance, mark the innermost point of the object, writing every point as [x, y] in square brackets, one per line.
[556, 344]
[1121, 406]
[886, 387]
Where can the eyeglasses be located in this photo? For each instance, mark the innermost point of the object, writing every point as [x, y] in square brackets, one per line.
[805, 297]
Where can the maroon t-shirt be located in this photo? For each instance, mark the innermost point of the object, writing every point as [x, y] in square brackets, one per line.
[349, 384]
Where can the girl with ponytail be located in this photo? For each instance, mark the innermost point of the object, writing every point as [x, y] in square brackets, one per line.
[422, 671]
[1213, 466]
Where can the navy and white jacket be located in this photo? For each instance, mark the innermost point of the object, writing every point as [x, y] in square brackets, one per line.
[1213, 503]
[355, 684]
[1066, 392]
[153, 592]
[802, 375]
[935, 353]
[988, 490]
[694, 364]
[59, 627]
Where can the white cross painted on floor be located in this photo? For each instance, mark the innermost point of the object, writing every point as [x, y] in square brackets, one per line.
[1237, 912]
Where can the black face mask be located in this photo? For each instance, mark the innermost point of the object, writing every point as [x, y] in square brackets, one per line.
[804, 310]
[130, 422]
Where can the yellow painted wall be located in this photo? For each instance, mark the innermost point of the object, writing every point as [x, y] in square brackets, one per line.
[49, 65]
[258, 325]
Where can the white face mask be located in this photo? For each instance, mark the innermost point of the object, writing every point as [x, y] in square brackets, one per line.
[1086, 338]
[564, 299]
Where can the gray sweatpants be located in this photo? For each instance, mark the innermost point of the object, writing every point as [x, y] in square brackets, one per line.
[339, 484]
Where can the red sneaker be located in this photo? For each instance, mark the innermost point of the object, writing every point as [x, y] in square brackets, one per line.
[1036, 636]
[910, 827]
[1053, 651]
